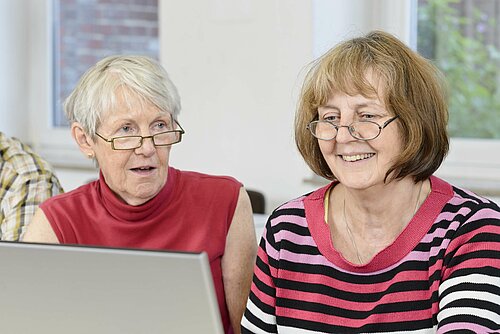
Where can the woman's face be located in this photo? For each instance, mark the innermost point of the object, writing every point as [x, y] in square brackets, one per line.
[356, 163]
[136, 175]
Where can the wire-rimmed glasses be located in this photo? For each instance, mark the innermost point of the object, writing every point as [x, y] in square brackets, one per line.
[166, 138]
[362, 130]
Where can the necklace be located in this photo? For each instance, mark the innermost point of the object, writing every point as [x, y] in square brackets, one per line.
[351, 237]
[348, 228]
[418, 197]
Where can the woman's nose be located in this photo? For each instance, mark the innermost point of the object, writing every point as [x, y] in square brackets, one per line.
[343, 134]
[147, 148]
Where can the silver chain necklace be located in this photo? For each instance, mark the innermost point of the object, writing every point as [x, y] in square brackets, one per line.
[348, 228]
[351, 236]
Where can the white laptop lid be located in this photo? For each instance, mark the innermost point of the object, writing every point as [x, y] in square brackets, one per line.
[75, 289]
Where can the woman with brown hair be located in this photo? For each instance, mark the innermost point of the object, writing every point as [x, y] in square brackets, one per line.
[386, 246]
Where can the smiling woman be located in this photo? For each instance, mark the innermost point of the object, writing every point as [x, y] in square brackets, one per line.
[386, 246]
[362, 155]
[123, 115]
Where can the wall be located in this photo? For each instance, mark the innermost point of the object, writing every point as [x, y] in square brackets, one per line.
[238, 66]
[14, 73]
[334, 21]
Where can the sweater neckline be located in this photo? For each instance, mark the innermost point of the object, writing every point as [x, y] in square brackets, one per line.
[408, 239]
[126, 213]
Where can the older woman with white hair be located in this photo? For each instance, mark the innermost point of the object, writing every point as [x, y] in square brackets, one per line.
[124, 115]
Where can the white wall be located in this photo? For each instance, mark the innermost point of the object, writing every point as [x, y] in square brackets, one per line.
[337, 20]
[237, 65]
[14, 54]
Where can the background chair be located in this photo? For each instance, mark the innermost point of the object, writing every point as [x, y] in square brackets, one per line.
[258, 201]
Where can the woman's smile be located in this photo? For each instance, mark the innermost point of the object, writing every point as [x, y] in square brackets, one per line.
[356, 157]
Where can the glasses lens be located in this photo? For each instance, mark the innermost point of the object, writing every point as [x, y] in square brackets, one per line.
[323, 130]
[126, 143]
[364, 130]
[167, 138]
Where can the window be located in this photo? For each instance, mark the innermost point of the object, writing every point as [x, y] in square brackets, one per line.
[463, 38]
[86, 31]
[66, 38]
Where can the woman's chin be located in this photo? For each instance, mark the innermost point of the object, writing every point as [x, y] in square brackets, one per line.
[140, 196]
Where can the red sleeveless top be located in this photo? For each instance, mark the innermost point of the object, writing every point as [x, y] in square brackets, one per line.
[192, 213]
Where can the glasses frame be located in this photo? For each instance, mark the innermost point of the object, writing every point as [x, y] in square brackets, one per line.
[112, 140]
[350, 128]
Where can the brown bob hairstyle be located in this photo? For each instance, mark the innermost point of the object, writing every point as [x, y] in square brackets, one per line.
[414, 90]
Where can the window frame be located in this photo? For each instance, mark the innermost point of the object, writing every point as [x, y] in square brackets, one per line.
[53, 143]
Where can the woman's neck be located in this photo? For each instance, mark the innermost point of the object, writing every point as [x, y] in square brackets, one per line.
[373, 218]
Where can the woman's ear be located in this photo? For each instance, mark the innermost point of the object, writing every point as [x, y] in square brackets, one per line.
[83, 140]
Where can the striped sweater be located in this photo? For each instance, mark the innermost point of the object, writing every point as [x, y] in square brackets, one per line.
[442, 273]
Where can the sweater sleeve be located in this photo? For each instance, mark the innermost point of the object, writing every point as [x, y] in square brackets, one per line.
[469, 293]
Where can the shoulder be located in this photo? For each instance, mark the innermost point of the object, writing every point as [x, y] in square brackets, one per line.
[294, 207]
[290, 215]
[287, 225]
[21, 158]
[196, 177]
[77, 196]
[298, 205]
[192, 175]
[462, 205]
[470, 216]
[467, 204]
[205, 189]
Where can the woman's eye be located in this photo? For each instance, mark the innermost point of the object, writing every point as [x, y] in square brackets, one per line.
[331, 118]
[125, 129]
[367, 117]
[161, 126]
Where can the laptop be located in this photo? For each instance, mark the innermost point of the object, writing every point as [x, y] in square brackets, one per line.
[60, 289]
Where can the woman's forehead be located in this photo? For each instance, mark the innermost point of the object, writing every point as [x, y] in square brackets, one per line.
[368, 84]
[338, 102]
[126, 100]
[133, 110]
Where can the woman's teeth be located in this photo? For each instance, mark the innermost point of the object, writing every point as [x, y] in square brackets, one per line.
[357, 157]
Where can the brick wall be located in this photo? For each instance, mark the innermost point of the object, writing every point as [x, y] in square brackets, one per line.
[88, 30]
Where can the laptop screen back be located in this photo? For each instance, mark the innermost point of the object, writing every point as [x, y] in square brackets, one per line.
[74, 289]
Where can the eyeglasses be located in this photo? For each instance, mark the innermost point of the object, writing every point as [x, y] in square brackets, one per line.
[362, 130]
[166, 138]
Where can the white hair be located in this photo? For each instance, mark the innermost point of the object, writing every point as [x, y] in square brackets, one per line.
[138, 76]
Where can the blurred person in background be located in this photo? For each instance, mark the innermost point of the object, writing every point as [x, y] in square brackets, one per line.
[26, 180]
